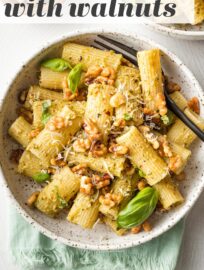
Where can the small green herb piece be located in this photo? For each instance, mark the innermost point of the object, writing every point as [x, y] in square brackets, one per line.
[141, 173]
[168, 118]
[138, 209]
[56, 64]
[62, 202]
[74, 78]
[45, 111]
[41, 177]
[127, 117]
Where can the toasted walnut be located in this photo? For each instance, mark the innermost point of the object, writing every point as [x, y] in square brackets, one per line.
[57, 162]
[151, 137]
[101, 182]
[175, 162]
[93, 72]
[34, 133]
[161, 104]
[110, 199]
[109, 73]
[141, 184]
[81, 145]
[147, 226]
[57, 123]
[67, 93]
[51, 170]
[104, 80]
[165, 149]
[91, 129]
[117, 100]
[173, 87]
[118, 149]
[99, 150]
[194, 105]
[136, 230]
[86, 185]
[147, 111]
[121, 123]
[80, 169]
[32, 199]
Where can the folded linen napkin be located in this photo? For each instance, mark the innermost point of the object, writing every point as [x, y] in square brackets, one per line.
[32, 250]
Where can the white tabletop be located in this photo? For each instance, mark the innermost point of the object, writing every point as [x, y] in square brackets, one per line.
[18, 42]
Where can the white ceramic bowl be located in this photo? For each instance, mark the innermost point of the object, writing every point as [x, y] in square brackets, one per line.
[189, 32]
[19, 187]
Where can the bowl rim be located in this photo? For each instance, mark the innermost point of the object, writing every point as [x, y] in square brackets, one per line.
[31, 220]
[182, 34]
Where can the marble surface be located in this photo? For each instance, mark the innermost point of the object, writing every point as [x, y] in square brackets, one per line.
[19, 41]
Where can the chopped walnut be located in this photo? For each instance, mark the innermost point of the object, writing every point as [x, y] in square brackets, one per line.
[175, 162]
[117, 100]
[91, 129]
[93, 72]
[99, 150]
[101, 182]
[194, 105]
[97, 74]
[141, 184]
[161, 104]
[57, 123]
[80, 169]
[118, 150]
[173, 87]
[165, 149]
[34, 133]
[147, 226]
[121, 123]
[68, 94]
[136, 229]
[150, 136]
[110, 199]
[57, 162]
[81, 145]
[86, 185]
[51, 170]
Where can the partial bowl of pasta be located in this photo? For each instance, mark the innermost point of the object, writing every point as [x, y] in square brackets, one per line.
[92, 155]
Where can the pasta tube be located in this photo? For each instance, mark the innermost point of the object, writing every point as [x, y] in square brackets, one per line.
[151, 79]
[20, 131]
[37, 93]
[113, 225]
[179, 99]
[98, 107]
[179, 133]
[169, 194]
[49, 143]
[108, 164]
[88, 56]
[56, 195]
[128, 83]
[84, 211]
[143, 156]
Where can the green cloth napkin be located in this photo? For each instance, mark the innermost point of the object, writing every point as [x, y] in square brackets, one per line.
[32, 250]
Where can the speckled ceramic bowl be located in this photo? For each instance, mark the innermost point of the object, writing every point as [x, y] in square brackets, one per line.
[19, 187]
[189, 32]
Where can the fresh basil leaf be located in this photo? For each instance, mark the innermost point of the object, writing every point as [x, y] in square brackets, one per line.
[45, 111]
[138, 209]
[56, 64]
[168, 118]
[141, 173]
[41, 177]
[127, 117]
[74, 78]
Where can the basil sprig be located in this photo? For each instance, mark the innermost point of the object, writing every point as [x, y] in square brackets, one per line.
[56, 64]
[74, 78]
[138, 209]
[41, 177]
[45, 111]
[168, 118]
